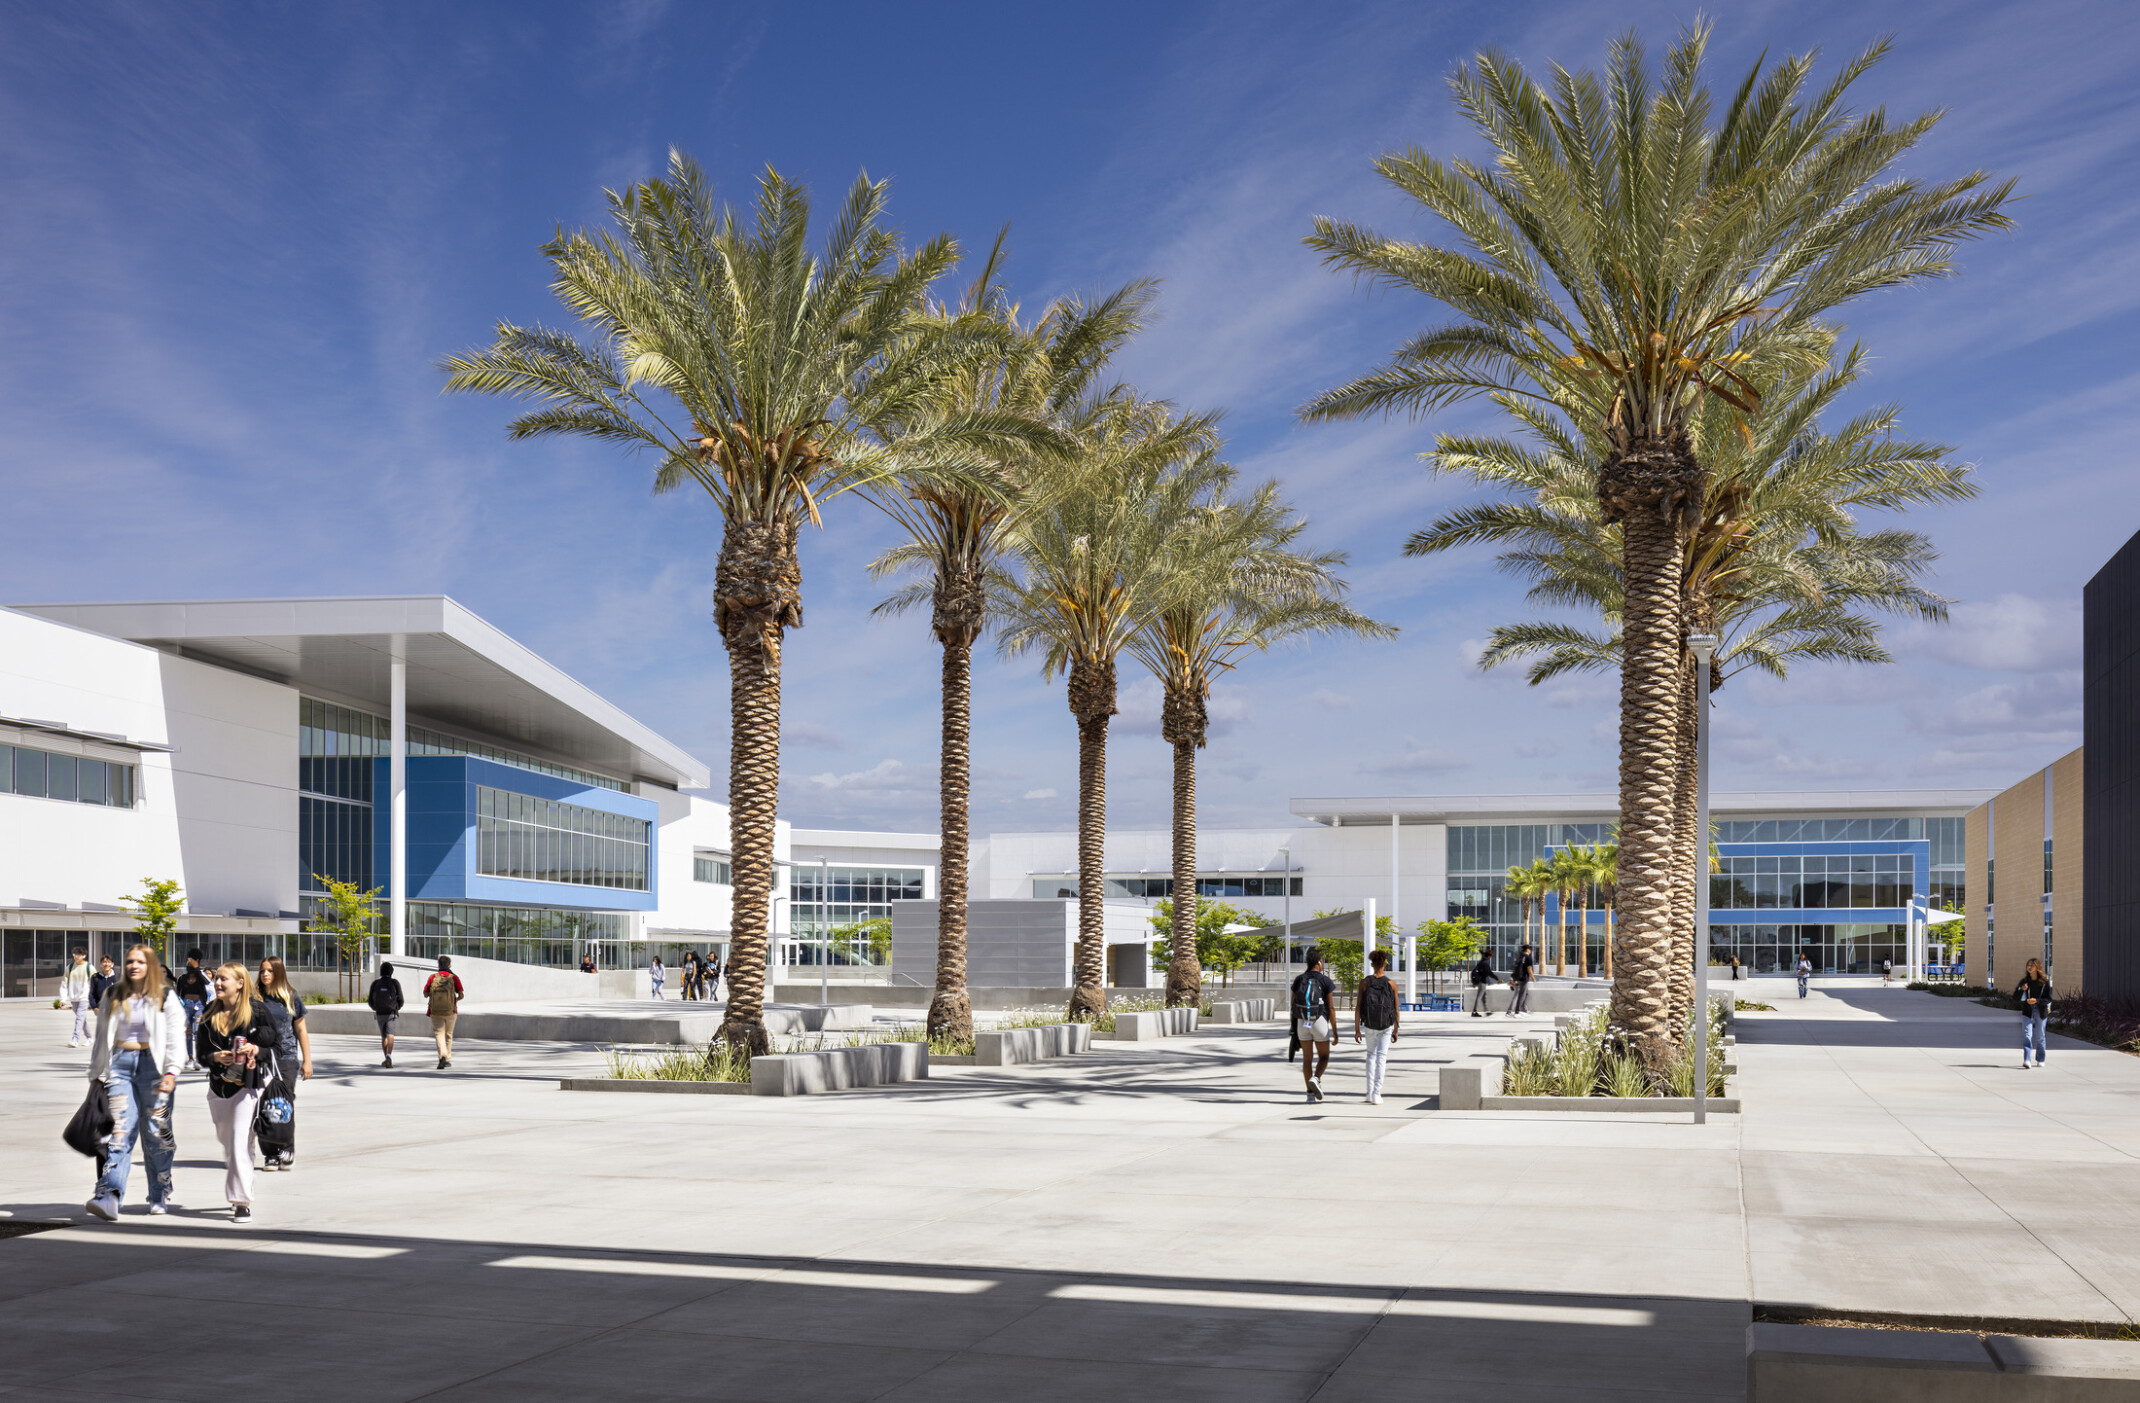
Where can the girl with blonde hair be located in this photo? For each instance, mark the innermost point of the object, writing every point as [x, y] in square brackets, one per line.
[140, 1044]
[236, 1043]
[293, 1050]
[2033, 993]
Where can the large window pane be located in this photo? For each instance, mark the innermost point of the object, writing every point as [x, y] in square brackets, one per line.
[90, 782]
[59, 776]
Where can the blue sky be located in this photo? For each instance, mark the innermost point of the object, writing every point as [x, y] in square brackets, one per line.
[235, 238]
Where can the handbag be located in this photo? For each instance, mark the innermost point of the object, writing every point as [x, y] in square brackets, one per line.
[90, 1129]
[275, 1117]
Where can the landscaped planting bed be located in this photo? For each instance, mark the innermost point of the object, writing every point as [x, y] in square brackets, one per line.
[1584, 1072]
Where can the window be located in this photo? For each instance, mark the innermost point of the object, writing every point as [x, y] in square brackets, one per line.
[2047, 867]
[547, 840]
[1816, 881]
[712, 867]
[73, 779]
[823, 897]
[1843, 830]
[325, 729]
[1162, 888]
[334, 839]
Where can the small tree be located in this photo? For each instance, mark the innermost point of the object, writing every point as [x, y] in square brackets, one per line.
[1449, 944]
[873, 936]
[1216, 947]
[156, 913]
[353, 918]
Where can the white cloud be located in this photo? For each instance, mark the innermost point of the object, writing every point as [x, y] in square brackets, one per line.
[1416, 759]
[1336, 701]
[2008, 633]
[1039, 794]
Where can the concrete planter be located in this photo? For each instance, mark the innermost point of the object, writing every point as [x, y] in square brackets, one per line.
[685, 1088]
[838, 1069]
[1011, 1047]
[1244, 1011]
[1805, 1363]
[1617, 1105]
[1154, 1023]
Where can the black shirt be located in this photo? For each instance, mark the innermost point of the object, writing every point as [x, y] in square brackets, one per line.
[193, 984]
[1483, 972]
[2037, 989]
[1520, 972]
[1327, 988]
[98, 983]
[230, 1080]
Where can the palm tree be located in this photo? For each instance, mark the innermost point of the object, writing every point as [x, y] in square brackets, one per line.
[960, 522]
[1629, 249]
[1608, 874]
[1098, 556]
[1516, 882]
[1532, 883]
[1239, 585]
[760, 372]
[1569, 877]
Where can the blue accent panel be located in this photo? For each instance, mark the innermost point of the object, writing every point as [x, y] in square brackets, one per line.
[442, 835]
[1815, 916]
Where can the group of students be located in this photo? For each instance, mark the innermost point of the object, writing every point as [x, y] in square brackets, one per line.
[250, 1038]
[702, 976]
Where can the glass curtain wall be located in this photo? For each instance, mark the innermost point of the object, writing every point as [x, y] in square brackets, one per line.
[823, 899]
[1479, 858]
[327, 729]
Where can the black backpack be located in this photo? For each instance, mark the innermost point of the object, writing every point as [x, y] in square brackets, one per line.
[1378, 1002]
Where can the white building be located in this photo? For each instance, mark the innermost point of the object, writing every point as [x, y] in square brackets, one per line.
[249, 748]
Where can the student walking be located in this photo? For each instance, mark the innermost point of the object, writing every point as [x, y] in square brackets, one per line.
[236, 1043]
[690, 976]
[711, 976]
[384, 998]
[1805, 972]
[1314, 1021]
[194, 991]
[656, 975]
[2033, 993]
[293, 1050]
[1519, 981]
[1375, 1017]
[443, 994]
[1482, 976]
[106, 976]
[74, 988]
[135, 1057]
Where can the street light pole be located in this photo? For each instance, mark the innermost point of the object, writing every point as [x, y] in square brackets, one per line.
[1285, 975]
[1703, 646]
[824, 931]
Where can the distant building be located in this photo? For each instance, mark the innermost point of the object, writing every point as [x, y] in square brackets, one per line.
[2027, 872]
[2110, 691]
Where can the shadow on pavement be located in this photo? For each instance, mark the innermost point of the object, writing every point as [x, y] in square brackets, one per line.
[380, 1317]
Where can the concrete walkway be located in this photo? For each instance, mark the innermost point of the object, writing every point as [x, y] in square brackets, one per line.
[1169, 1218]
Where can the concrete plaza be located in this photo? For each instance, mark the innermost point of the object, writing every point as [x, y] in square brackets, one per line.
[1167, 1218]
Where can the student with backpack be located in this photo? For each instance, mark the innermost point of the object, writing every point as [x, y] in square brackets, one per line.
[1482, 978]
[384, 999]
[236, 1043]
[1519, 982]
[1376, 1010]
[1314, 1022]
[293, 1063]
[443, 994]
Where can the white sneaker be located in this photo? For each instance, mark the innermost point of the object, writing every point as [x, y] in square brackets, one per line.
[157, 1210]
[104, 1206]
[1374, 1100]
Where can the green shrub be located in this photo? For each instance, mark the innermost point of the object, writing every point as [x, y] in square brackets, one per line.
[1530, 1073]
[715, 1062]
[1624, 1076]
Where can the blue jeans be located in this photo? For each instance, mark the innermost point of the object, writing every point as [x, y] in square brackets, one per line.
[2033, 1026]
[132, 1088]
[193, 1008]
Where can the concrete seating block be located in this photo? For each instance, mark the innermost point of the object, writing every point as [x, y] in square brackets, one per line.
[1462, 1088]
[1138, 1027]
[1823, 1364]
[1244, 1011]
[1011, 1047]
[2062, 1369]
[838, 1069]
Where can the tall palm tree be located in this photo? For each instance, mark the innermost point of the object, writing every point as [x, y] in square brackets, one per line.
[758, 371]
[1570, 876]
[1608, 874]
[1516, 882]
[961, 518]
[1097, 557]
[1239, 586]
[1629, 248]
[1535, 883]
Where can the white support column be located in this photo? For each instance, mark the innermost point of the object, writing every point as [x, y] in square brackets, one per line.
[1407, 946]
[398, 789]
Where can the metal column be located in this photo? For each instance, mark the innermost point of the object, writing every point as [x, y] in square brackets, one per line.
[398, 789]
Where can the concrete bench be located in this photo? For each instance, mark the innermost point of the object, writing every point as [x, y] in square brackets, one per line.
[1009, 1047]
[1804, 1363]
[837, 1069]
[1154, 1023]
[1244, 1011]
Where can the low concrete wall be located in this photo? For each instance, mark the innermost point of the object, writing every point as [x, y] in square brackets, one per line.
[526, 1026]
[1154, 1023]
[1010, 1047]
[1244, 1011]
[1825, 1364]
[913, 996]
[838, 1069]
[683, 1088]
[1627, 1105]
[1545, 998]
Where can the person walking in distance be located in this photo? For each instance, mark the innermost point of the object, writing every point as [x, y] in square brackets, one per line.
[107, 975]
[384, 999]
[236, 1043]
[443, 994]
[293, 1047]
[1482, 978]
[655, 975]
[74, 988]
[1314, 1017]
[1805, 972]
[1519, 981]
[135, 1057]
[194, 992]
[2033, 993]
[690, 976]
[1375, 1018]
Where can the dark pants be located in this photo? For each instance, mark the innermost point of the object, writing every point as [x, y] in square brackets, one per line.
[1519, 996]
[1478, 1004]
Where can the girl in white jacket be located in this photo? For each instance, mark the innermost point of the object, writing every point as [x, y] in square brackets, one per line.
[139, 1047]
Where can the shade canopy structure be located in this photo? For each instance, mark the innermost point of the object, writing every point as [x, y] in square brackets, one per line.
[463, 674]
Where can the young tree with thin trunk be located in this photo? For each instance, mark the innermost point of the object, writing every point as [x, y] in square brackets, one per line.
[1238, 585]
[1630, 246]
[960, 517]
[1095, 562]
[759, 371]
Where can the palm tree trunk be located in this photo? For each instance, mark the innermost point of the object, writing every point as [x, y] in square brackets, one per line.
[951, 1008]
[1560, 933]
[1092, 701]
[1183, 724]
[757, 597]
[1608, 938]
[1693, 848]
[1649, 487]
[1582, 932]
